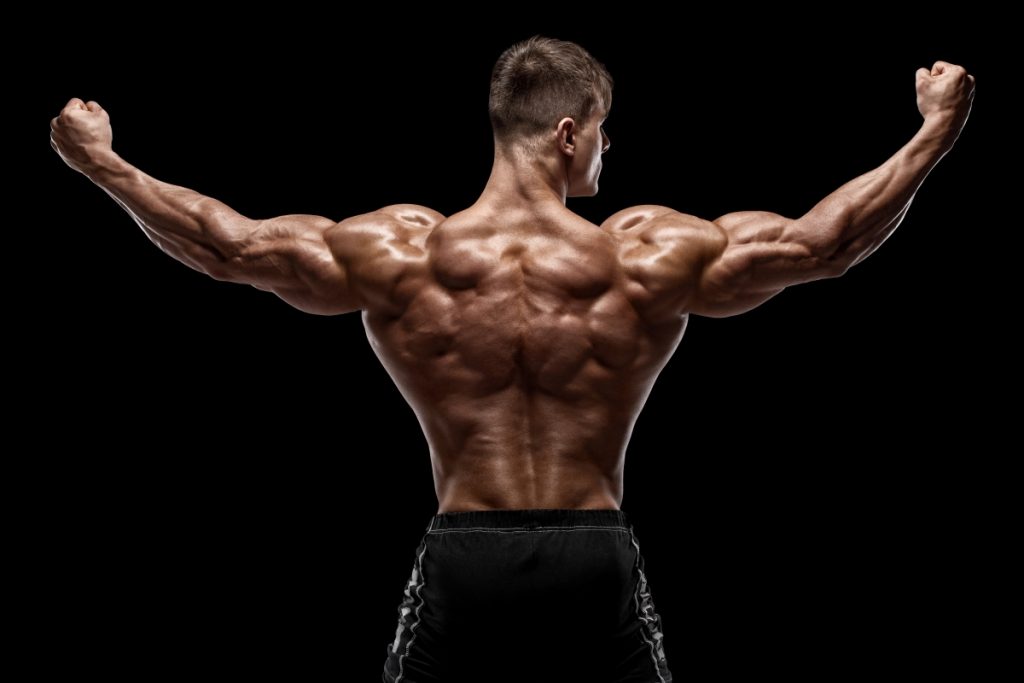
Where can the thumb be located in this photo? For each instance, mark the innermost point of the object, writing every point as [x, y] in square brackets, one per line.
[93, 106]
[923, 73]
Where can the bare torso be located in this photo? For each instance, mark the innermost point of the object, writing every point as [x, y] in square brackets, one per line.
[525, 338]
[526, 343]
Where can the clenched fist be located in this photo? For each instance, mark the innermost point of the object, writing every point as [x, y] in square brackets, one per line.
[81, 135]
[945, 91]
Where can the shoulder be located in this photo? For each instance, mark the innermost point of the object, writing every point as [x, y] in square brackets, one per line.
[656, 225]
[381, 248]
[663, 253]
[409, 216]
[412, 215]
[637, 217]
[409, 223]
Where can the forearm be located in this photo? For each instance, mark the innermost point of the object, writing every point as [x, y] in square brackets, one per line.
[191, 227]
[855, 219]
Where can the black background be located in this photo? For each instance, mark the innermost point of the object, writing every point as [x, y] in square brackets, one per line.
[237, 488]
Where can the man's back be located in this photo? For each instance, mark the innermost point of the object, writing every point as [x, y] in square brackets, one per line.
[526, 341]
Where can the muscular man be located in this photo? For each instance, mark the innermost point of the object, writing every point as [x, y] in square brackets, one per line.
[526, 340]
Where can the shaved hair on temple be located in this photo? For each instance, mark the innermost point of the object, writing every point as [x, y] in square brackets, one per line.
[540, 81]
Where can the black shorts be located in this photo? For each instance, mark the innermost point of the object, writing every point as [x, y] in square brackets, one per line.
[529, 596]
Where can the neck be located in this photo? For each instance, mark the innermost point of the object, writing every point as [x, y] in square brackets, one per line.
[518, 178]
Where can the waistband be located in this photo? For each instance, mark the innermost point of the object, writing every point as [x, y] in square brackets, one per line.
[529, 519]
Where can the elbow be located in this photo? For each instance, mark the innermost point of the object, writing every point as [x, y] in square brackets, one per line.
[221, 270]
[825, 260]
[838, 267]
[839, 255]
[825, 231]
[220, 274]
[224, 231]
[832, 255]
[836, 264]
[217, 266]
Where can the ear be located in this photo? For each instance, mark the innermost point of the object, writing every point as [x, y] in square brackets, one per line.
[566, 134]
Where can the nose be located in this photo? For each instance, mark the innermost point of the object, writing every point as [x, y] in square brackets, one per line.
[607, 142]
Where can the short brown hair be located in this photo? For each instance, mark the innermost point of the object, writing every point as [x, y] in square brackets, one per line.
[540, 81]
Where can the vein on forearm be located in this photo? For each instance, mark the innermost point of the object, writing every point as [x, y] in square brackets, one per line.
[185, 223]
[855, 219]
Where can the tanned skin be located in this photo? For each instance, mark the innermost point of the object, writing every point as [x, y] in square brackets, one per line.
[525, 338]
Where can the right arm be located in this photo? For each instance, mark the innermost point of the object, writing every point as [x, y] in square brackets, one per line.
[746, 258]
[313, 263]
[288, 255]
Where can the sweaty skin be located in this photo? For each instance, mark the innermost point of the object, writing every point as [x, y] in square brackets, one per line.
[525, 338]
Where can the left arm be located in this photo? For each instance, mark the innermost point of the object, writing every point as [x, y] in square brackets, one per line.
[288, 255]
[753, 255]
